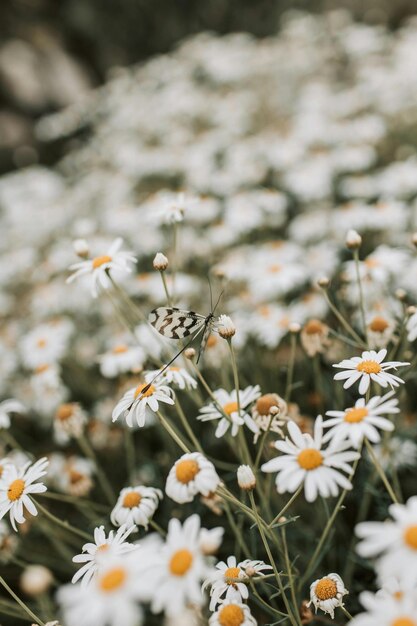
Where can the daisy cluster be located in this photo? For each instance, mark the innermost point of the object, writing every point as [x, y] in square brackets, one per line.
[207, 355]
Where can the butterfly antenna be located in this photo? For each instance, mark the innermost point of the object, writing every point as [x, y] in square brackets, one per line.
[211, 294]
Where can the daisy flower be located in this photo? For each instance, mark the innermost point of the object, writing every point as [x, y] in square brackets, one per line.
[304, 461]
[393, 542]
[229, 581]
[136, 505]
[100, 266]
[226, 405]
[363, 420]
[46, 344]
[6, 408]
[387, 611]
[16, 487]
[110, 599]
[327, 593]
[122, 359]
[69, 421]
[173, 375]
[369, 366]
[104, 547]
[172, 573]
[141, 403]
[190, 475]
[234, 613]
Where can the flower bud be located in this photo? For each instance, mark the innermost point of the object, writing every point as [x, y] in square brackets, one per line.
[400, 294]
[226, 328]
[160, 262]
[189, 353]
[81, 248]
[246, 478]
[294, 328]
[414, 239]
[36, 580]
[353, 240]
[323, 282]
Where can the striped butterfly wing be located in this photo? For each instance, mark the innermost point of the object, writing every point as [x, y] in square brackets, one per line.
[175, 323]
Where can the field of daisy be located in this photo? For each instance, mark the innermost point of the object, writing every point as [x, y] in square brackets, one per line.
[208, 341]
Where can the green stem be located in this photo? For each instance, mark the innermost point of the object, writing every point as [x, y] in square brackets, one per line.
[286, 507]
[170, 430]
[21, 603]
[361, 298]
[346, 612]
[164, 282]
[381, 472]
[102, 478]
[290, 372]
[130, 452]
[187, 427]
[65, 525]
[342, 320]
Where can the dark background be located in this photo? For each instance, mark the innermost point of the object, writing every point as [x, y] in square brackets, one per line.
[51, 51]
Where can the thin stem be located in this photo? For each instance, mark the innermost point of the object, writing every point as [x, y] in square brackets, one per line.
[287, 506]
[130, 452]
[346, 612]
[65, 525]
[21, 603]
[290, 371]
[262, 443]
[292, 619]
[164, 282]
[187, 427]
[157, 527]
[102, 478]
[342, 320]
[381, 472]
[170, 430]
[289, 568]
[361, 298]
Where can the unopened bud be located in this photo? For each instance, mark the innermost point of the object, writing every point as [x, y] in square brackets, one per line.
[81, 248]
[400, 294]
[160, 262]
[246, 478]
[189, 353]
[36, 580]
[294, 328]
[250, 571]
[414, 239]
[353, 240]
[323, 282]
[225, 327]
[411, 310]
[274, 410]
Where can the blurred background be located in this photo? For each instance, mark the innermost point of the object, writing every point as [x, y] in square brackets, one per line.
[52, 52]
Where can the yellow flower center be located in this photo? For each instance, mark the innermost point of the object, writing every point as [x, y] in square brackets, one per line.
[101, 260]
[180, 562]
[274, 269]
[174, 369]
[410, 537]
[211, 341]
[265, 402]
[113, 579]
[41, 368]
[231, 615]
[398, 595]
[369, 367]
[15, 489]
[41, 343]
[120, 349]
[145, 389]
[103, 548]
[310, 459]
[403, 621]
[132, 499]
[186, 470]
[353, 416]
[64, 412]
[378, 324]
[231, 574]
[1, 470]
[230, 407]
[326, 588]
[75, 477]
[313, 327]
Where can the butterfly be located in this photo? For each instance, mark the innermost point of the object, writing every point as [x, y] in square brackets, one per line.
[175, 323]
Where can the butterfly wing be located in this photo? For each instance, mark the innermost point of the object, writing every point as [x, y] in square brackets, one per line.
[175, 323]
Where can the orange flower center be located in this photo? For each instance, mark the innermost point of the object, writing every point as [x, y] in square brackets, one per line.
[120, 349]
[64, 412]
[211, 341]
[75, 477]
[132, 499]
[354, 416]
[310, 459]
[274, 269]
[149, 390]
[1, 470]
[231, 574]
[186, 470]
[231, 615]
[264, 403]
[378, 324]
[101, 260]
[326, 588]
[15, 489]
[41, 343]
[180, 562]
[41, 368]
[403, 621]
[174, 369]
[113, 579]
[410, 537]
[313, 327]
[103, 548]
[369, 367]
[230, 407]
